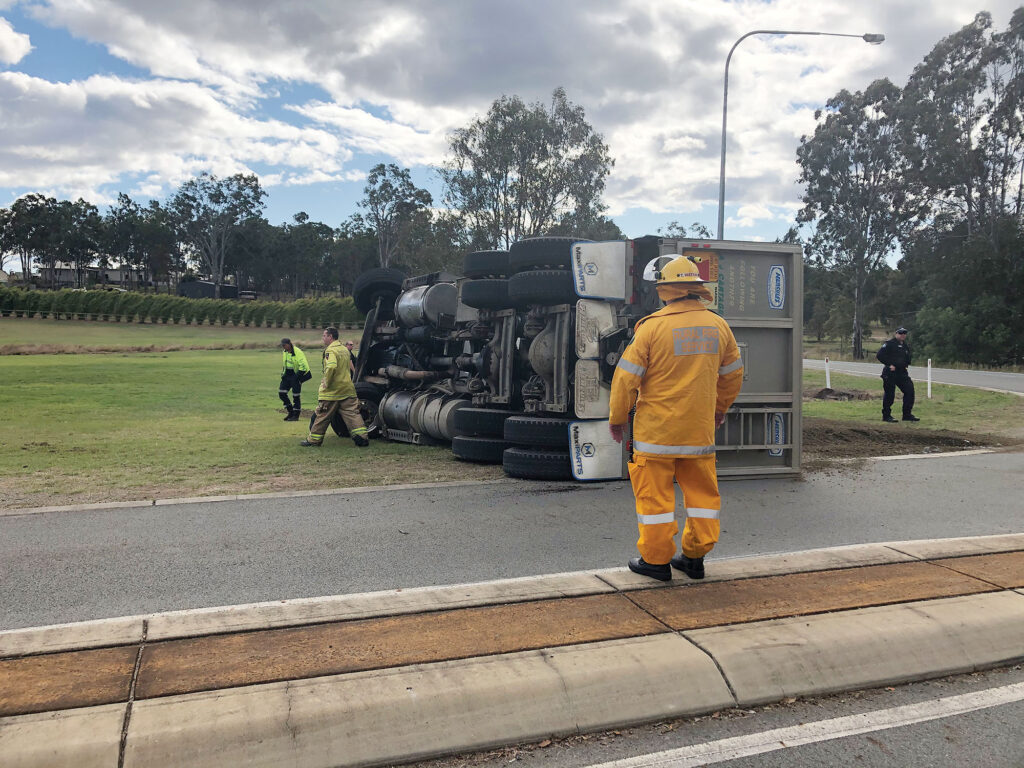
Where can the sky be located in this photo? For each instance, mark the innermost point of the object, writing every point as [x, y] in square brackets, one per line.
[99, 97]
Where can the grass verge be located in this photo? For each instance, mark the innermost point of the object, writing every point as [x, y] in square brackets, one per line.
[89, 428]
[957, 409]
[33, 336]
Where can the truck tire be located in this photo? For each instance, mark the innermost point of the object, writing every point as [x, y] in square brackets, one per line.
[552, 252]
[380, 283]
[486, 294]
[488, 422]
[542, 286]
[486, 450]
[537, 430]
[536, 464]
[485, 264]
[369, 400]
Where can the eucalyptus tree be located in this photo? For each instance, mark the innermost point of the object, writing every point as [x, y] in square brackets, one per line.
[392, 204]
[856, 195]
[523, 170]
[207, 212]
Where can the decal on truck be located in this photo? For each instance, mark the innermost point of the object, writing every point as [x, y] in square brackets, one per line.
[776, 433]
[776, 286]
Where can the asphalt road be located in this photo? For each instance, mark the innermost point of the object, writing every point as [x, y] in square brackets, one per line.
[1007, 382]
[70, 566]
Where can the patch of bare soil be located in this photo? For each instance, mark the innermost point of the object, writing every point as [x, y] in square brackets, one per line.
[839, 394]
[826, 440]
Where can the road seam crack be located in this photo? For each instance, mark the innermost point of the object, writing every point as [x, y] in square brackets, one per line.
[131, 695]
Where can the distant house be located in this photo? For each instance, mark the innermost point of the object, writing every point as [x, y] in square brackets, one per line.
[204, 289]
[64, 275]
[4, 277]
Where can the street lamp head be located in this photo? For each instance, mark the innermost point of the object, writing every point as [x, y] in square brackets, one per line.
[874, 39]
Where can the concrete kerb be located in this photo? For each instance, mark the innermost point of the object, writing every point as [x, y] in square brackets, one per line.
[406, 713]
[426, 710]
[248, 496]
[303, 611]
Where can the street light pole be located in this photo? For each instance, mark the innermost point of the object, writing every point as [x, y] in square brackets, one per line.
[873, 39]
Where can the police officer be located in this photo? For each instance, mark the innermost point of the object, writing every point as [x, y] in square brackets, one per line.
[894, 355]
[682, 369]
[294, 371]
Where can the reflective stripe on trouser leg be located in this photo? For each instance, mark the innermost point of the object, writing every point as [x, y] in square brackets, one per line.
[322, 420]
[699, 482]
[349, 408]
[654, 488]
[298, 403]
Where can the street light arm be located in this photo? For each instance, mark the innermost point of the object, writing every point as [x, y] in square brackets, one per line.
[873, 39]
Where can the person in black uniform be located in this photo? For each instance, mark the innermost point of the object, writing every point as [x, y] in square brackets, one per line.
[894, 356]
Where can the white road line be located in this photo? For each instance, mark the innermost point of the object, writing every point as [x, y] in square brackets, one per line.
[823, 730]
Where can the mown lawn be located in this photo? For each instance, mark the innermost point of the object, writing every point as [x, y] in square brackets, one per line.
[959, 409]
[101, 427]
[35, 335]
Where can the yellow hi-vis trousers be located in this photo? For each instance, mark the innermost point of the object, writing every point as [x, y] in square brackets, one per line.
[655, 492]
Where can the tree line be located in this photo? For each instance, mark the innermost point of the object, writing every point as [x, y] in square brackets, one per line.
[931, 173]
[521, 170]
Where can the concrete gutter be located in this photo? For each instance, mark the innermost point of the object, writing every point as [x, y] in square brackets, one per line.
[402, 713]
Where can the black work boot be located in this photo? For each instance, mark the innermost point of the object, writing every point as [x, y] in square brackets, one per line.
[307, 444]
[659, 572]
[691, 566]
[911, 417]
[360, 440]
[889, 419]
[293, 415]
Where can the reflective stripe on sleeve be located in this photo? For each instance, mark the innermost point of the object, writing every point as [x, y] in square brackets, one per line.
[667, 517]
[629, 367]
[735, 365]
[707, 514]
[680, 450]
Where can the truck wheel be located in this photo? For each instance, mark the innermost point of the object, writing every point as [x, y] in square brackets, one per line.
[481, 421]
[384, 284]
[485, 264]
[537, 464]
[553, 252]
[542, 286]
[486, 294]
[487, 450]
[537, 430]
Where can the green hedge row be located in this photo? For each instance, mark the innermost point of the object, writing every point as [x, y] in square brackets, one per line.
[155, 308]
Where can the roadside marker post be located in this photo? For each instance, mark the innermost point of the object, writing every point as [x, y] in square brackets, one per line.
[828, 376]
[929, 378]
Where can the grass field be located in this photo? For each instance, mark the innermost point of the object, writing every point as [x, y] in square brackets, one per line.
[959, 409]
[138, 425]
[84, 428]
[38, 336]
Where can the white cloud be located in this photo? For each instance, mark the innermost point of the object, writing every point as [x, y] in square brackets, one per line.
[399, 75]
[14, 46]
[85, 134]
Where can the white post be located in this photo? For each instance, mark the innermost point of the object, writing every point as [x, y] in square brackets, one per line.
[929, 378]
[828, 376]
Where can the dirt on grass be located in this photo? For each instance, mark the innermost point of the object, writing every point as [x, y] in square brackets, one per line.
[827, 441]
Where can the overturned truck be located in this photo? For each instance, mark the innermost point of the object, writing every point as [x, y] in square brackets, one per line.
[511, 362]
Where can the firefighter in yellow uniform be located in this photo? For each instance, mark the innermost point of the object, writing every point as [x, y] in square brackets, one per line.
[337, 394]
[682, 370]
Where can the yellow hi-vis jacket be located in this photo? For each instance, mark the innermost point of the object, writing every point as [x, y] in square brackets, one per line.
[294, 362]
[336, 383]
[684, 362]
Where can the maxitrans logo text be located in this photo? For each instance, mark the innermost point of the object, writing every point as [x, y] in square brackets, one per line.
[581, 281]
[776, 286]
[577, 452]
[777, 433]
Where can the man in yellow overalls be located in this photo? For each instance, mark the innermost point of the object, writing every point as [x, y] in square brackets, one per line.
[684, 363]
[337, 393]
